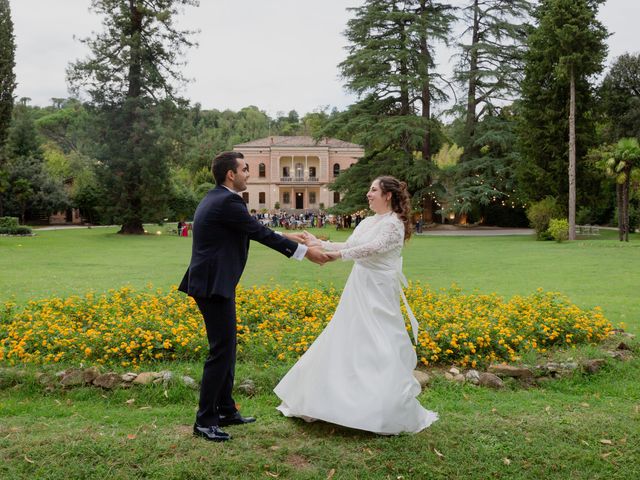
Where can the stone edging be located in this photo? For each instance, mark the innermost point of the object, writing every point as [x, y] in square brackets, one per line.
[528, 375]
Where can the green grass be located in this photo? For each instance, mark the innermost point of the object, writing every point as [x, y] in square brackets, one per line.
[595, 271]
[552, 432]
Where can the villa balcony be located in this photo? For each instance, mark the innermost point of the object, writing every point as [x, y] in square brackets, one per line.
[291, 180]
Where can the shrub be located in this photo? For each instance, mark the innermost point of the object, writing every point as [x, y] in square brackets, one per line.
[15, 231]
[541, 213]
[9, 222]
[559, 229]
[585, 216]
[133, 328]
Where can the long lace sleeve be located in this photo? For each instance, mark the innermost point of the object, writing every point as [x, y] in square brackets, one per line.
[390, 236]
[333, 246]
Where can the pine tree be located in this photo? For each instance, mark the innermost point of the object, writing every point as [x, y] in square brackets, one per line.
[391, 67]
[7, 76]
[133, 67]
[491, 62]
[565, 50]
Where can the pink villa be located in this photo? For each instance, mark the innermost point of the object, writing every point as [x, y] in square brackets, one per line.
[294, 171]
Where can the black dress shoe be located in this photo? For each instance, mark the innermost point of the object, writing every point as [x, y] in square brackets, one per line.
[234, 419]
[212, 433]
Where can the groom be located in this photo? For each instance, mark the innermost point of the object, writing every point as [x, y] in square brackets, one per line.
[222, 228]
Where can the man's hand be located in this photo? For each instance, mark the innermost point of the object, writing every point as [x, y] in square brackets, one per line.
[316, 255]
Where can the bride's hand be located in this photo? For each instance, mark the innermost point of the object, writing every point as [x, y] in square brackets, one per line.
[310, 240]
[333, 255]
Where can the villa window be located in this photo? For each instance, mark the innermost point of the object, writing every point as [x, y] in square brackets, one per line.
[262, 170]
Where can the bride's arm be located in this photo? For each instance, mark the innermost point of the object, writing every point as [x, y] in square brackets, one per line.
[391, 235]
[333, 246]
[310, 240]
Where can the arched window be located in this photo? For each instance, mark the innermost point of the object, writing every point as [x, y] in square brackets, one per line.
[285, 171]
[262, 170]
[299, 171]
[312, 172]
[336, 169]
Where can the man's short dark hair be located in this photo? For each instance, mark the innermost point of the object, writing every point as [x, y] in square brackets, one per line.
[223, 163]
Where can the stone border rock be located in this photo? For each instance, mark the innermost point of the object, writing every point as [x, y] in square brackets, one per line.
[527, 375]
[74, 377]
[494, 377]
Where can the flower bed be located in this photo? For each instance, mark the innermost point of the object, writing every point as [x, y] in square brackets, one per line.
[131, 328]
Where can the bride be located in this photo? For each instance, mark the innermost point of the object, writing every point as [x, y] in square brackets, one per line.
[359, 371]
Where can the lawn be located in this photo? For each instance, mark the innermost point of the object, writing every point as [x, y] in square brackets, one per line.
[592, 271]
[574, 428]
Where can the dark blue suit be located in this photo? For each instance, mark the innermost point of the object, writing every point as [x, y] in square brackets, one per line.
[222, 229]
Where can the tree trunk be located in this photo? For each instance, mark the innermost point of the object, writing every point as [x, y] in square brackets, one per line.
[625, 204]
[135, 62]
[427, 210]
[134, 226]
[470, 124]
[131, 228]
[427, 204]
[426, 115]
[572, 155]
[620, 213]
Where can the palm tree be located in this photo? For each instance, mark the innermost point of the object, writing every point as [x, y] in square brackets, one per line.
[624, 159]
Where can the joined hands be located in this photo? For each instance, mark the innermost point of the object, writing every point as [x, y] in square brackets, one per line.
[315, 253]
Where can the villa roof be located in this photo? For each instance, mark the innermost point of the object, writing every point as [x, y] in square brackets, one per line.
[298, 141]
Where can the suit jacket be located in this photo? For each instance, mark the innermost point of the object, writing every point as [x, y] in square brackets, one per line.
[222, 228]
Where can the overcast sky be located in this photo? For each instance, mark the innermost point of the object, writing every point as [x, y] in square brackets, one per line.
[276, 54]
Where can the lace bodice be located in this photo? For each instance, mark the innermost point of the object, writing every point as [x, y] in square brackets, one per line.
[379, 237]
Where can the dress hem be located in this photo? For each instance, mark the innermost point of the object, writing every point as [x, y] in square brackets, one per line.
[432, 417]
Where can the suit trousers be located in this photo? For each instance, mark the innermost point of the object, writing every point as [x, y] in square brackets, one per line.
[219, 315]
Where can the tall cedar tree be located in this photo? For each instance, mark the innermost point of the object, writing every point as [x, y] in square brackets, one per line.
[390, 66]
[7, 76]
[491, 63]
[132, 69]
[565, 50]
[486, 186]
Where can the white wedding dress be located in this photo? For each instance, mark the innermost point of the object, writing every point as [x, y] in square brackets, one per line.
[359, 371]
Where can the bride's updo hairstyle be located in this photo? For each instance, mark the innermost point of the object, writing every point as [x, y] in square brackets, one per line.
[400, 200]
